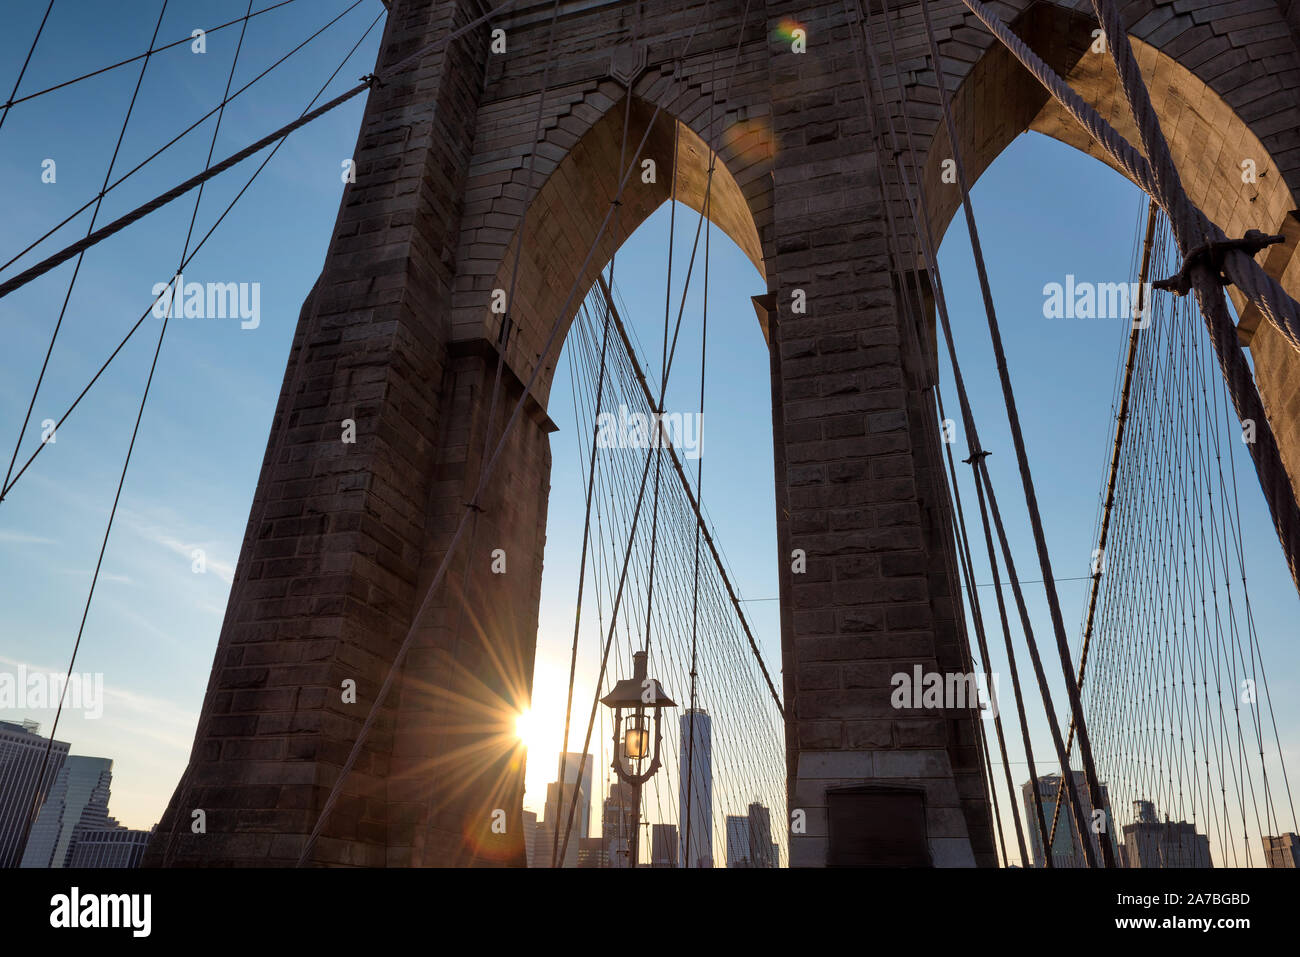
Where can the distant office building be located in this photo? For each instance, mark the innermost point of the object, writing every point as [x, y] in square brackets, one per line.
[663, 845]
[559, 799]
[1282, 851]
[762, 851]
[695, 788]
[107, 847]
[79, 798]
[1066, 849]
[592, 852]
[1150, 842]
[618, 824]
[532, 839]
[738, 841]
[22, 751]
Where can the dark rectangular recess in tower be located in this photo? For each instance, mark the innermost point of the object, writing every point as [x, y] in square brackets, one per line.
[874, 826]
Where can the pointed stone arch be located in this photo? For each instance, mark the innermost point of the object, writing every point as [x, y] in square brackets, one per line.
[570, 209]
[1209, 138]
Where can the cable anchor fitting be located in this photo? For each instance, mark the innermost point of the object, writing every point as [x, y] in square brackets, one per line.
[1180, 283]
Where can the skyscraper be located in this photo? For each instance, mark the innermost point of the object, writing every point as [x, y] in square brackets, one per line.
[1150, 842]
[559, 798]
[532, 839]
[761, 848]
[592, 852]
[738, 841]
[22, 750]
[1066, 849]
[79, 797]
[695, 789]
[617, 823]
[107, 847]
[663, 845]
[1283, 850]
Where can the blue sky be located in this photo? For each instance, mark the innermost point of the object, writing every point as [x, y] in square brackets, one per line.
[153, 625]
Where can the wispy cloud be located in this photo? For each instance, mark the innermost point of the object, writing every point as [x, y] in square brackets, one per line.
[104, 576]
[22, 538]
[136, 715]
[153, 532]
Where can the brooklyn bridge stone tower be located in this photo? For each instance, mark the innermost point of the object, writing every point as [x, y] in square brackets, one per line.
[398, 336]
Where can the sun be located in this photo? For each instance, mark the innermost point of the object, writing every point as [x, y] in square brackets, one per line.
[526, 728]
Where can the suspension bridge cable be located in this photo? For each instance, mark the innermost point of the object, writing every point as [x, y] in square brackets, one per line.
[108, 173]
[656, 449]
[109, 187]
[1185, 636]
[167, 291]
[591, 469]
[144, 398]
[696, 506]
[1121, 422]
[916, 202]
[37, 796]
[183, 784]
[50, 262]
[1017, 436]
[26, 60]
[739, 708]
[1191, 226]
[14, 101]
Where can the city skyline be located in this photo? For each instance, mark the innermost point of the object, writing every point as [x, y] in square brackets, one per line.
[319, 448]
[71, 825]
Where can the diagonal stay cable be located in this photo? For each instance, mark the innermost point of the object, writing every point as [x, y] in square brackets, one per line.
[23, 71]
[667, 364]
[1274, 302]
[185, 777]
[166, 198]
[230, 161]
[685, 483]
[37, 794]
[5, 490]
[916, 202]
[63, 310]
[144, 398]
[1018, 441]
[109, 187]
[162, 200]
[15, 100]
[1112, 473]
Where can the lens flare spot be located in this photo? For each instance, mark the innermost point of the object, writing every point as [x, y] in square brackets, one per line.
[785, 29]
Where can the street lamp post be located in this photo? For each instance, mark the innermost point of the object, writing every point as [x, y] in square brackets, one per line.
[635, 759]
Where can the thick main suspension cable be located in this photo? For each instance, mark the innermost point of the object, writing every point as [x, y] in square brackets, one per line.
[109, 187]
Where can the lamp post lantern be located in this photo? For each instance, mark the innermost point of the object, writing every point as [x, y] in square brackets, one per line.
[636, 759]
